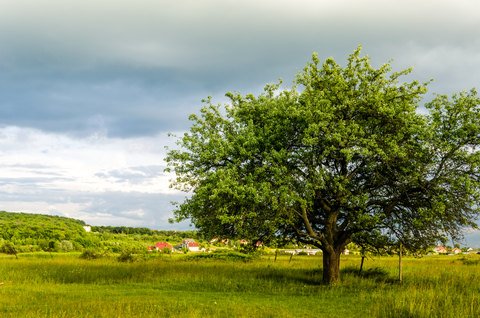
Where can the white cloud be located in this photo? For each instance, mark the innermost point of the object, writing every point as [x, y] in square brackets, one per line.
[69, 176]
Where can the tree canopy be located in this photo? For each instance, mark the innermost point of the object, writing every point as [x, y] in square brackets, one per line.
[348, 158]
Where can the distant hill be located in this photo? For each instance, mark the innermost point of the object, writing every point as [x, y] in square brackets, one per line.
[24, 226]
[36, 232]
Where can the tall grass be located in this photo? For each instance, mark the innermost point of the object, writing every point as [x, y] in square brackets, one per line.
[187, 287]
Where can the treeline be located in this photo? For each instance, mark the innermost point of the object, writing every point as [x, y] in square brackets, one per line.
[146, 231]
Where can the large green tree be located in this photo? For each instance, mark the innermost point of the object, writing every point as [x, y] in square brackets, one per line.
[348, 158]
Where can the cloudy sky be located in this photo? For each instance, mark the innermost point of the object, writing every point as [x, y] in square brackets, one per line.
[90, 89]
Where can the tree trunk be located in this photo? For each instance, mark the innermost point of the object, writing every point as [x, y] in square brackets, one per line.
[331, 266]
[361, 266]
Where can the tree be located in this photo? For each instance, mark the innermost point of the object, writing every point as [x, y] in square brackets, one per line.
[347, 159]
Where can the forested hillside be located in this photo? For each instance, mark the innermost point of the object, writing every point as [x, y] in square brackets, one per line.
[36, 232]
[20, 226]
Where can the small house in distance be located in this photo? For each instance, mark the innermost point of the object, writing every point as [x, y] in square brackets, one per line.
[190, 244]
[160, 246]
[440, 249]
[456, 251]
[87, 228]
[186, 241]
[193, 247]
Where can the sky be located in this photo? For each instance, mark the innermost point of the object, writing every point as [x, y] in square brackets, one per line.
[90, 89]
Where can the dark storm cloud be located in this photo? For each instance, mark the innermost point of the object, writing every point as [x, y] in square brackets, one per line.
[139, 68]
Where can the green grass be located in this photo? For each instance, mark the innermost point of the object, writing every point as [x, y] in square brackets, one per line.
[66, 286]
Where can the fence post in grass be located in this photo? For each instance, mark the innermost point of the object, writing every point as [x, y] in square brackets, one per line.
[276, 253]
[291, 255]
[400, 262]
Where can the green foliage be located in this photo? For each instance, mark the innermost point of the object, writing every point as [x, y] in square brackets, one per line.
[127, 256]
[470, 260]
[90, 254]
[302, 253]
[66, 246]
[19, 226]
[8, 248]
[77, 247]
[347, 159]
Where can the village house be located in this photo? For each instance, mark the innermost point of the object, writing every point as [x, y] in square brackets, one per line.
[224, 241]
[87, 228]
[193, 247]
[346, 251]
[160, 246]
[190, 244]
[186, 241]
[456, 251]
[440, 249]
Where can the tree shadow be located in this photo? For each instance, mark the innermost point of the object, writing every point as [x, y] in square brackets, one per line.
[376, 273]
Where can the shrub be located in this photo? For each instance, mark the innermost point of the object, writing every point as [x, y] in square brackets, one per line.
[126, 256]
[77, 246]
[166, 250]
[8, 248]
[303, 253]
[66, 246]
[90, 254]
[469, 260]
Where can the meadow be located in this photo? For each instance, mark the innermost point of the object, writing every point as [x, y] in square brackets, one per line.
[36, 285]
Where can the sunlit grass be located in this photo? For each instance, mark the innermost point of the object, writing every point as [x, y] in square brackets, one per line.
[66, 286]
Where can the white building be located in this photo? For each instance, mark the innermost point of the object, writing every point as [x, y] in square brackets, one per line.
[87, 228]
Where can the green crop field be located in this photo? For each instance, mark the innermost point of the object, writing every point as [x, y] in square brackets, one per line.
[36, 285]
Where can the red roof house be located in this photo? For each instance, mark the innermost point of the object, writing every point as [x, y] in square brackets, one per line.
[162, 245]
[193, 247]
[440, 249]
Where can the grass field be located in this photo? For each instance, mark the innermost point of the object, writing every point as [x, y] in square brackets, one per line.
[434, 286]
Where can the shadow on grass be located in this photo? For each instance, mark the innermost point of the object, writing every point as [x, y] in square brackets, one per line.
[315, 276]
[378, 274]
